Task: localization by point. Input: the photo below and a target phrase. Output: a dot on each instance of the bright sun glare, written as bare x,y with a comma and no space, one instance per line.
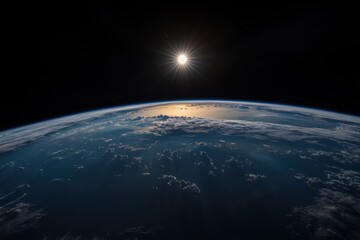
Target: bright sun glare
182,59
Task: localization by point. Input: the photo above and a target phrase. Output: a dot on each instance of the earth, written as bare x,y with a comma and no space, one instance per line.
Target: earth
183,170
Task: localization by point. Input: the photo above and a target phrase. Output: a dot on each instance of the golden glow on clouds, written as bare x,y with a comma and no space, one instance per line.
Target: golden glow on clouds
189,110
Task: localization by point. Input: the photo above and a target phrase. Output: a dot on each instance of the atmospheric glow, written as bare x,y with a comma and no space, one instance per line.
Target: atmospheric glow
182,59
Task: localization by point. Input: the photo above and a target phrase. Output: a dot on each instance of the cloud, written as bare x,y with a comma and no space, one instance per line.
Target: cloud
299,176
336,209
343,180
17,215
347,127
334,215
57,180
254,177
79,167
169,183
18,137
177,201
252,129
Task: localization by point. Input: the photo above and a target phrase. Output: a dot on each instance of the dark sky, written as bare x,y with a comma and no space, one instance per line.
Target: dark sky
64,59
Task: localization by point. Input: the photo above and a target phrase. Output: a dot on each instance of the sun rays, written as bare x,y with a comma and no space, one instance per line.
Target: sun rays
182,60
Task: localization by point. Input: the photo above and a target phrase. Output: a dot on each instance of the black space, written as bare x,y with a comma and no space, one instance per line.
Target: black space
62,59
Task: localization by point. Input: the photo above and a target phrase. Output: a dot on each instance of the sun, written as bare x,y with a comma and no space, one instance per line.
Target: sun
182,59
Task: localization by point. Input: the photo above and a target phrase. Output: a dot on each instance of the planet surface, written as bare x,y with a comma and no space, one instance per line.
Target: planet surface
183,170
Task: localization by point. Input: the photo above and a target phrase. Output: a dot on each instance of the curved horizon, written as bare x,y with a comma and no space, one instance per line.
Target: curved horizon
353,117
